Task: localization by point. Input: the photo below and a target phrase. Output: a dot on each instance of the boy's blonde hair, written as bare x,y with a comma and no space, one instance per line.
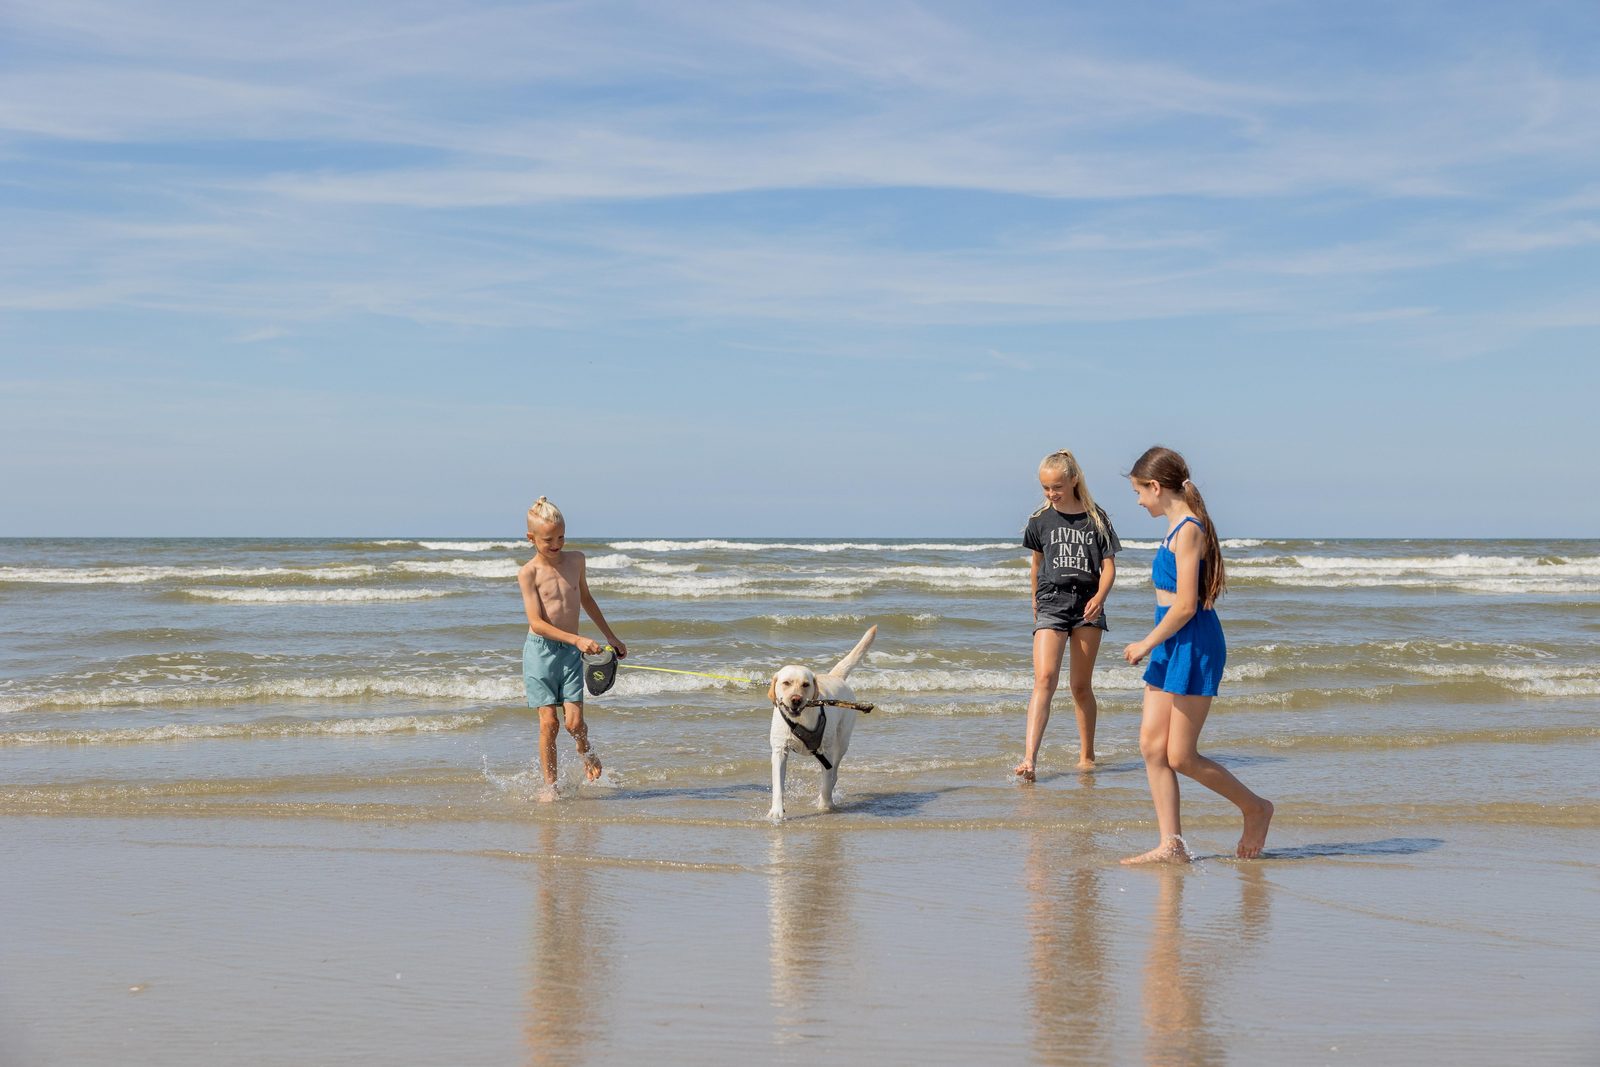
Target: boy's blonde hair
544,513
1064,461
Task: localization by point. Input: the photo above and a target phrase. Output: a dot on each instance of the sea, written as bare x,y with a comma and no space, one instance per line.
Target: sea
276,800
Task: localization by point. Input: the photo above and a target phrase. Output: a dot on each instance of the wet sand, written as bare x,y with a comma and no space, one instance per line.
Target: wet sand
570,939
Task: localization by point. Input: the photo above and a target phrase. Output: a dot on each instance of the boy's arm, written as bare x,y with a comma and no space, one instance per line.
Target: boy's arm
538,622
593,611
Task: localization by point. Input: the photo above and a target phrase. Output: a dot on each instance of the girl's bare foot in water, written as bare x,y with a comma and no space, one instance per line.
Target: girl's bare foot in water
547,793
1024,771
1254,838
591,765
1172,850
1085,763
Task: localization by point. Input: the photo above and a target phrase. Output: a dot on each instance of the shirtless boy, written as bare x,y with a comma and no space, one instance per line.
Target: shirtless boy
554,587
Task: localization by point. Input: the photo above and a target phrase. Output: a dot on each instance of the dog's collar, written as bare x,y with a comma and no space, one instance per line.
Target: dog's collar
811,738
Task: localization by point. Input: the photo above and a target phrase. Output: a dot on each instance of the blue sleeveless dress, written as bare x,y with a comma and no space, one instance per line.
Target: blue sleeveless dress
1190,662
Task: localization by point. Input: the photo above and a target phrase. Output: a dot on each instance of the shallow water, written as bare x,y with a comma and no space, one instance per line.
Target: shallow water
218,758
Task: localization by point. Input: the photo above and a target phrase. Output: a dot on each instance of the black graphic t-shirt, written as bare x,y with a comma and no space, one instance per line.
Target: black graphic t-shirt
1073,550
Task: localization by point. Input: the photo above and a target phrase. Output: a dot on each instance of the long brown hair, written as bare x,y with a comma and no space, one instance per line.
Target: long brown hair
1167,469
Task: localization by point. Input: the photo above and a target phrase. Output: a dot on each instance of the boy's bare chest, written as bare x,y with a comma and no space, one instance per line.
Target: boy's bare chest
558,583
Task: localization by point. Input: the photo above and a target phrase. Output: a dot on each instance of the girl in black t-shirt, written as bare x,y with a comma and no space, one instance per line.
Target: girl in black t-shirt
1074,564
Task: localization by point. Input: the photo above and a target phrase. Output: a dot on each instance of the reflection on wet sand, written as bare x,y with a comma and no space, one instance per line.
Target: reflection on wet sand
1069,983
809,917
1186,963
571,944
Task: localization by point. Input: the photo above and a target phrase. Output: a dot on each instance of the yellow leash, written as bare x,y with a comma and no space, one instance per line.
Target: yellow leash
697,674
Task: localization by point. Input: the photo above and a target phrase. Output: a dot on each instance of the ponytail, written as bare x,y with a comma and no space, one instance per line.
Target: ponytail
1167,469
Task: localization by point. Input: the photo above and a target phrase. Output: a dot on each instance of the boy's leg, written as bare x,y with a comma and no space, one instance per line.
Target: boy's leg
1085,645
549,730
580,737
1048,646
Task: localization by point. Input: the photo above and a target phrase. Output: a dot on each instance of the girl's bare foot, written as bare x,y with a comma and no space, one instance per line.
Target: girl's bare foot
591,765
1172,850
1085,763
1024,771
1254,838
547,793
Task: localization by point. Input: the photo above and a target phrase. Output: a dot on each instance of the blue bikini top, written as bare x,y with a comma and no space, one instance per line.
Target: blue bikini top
1164,568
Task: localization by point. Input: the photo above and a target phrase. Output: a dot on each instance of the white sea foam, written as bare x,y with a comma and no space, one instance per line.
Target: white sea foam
806,620
462,546
1146,545
706,545
134,575
613,561
314,596
268,728
1463,572
695,586
668,568
1520,678
498,689
460,568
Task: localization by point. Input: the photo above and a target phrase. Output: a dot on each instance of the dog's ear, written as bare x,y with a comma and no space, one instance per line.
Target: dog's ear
772,690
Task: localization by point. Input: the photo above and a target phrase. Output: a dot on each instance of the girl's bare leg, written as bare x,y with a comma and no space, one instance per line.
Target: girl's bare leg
1085,646
1189,715
1154,729
1048,646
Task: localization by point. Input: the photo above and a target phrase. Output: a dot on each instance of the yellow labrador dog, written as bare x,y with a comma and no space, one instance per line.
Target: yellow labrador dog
799,725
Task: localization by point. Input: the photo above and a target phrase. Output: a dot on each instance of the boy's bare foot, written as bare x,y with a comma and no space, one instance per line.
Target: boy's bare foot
1085,763
547,793
1254,838
591,765
1024,771
1172,850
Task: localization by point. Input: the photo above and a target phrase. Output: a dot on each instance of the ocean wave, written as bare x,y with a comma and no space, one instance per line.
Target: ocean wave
711,544
264,728
138,575
463,546
815,587
460,568
1461,565
1526,679
313,596
499,689
650,567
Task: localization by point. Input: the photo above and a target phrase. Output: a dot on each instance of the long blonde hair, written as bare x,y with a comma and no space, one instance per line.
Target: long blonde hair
544,513
1064,461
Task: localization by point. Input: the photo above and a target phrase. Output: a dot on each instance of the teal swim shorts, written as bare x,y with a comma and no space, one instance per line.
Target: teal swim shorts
552,672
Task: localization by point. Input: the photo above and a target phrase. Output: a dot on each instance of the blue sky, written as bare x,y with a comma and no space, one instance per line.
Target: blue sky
822,269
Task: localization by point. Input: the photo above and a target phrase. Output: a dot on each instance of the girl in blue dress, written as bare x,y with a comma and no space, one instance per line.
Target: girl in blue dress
1187,652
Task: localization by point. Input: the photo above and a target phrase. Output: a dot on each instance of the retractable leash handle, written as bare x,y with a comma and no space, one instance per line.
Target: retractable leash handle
600,670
